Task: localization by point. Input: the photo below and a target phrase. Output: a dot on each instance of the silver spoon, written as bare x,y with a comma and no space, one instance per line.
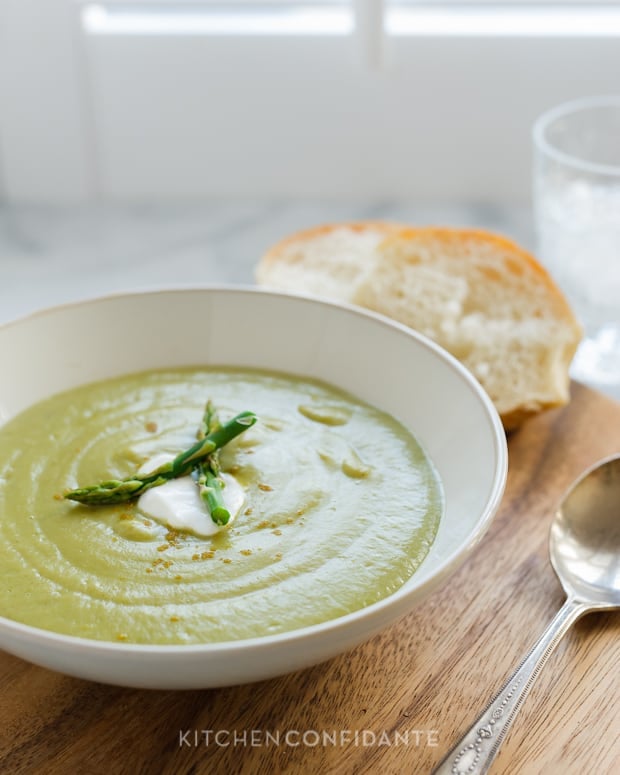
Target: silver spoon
584,547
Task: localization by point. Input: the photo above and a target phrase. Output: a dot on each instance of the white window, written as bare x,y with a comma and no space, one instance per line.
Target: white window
431,101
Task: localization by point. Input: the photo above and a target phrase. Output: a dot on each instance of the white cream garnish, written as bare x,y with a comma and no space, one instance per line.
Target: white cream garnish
177,503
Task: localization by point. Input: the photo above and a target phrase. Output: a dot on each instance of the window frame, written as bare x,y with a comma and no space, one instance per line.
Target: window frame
62,133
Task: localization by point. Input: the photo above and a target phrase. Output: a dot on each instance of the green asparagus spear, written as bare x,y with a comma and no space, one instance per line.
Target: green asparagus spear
209,481
121,490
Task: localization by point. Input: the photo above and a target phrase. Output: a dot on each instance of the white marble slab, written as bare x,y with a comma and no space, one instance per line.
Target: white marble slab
50,256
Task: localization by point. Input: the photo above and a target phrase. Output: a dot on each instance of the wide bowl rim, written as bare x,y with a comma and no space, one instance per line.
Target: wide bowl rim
396,600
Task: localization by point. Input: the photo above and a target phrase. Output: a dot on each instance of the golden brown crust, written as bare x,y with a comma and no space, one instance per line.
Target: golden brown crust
457,236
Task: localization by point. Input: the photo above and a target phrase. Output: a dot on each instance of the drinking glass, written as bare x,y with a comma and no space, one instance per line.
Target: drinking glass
577,215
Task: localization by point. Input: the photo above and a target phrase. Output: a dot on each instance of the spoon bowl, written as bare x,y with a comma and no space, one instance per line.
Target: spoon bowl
584,542
584,548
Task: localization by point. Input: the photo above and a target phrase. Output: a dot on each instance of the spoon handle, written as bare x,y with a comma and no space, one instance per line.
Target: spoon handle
476,750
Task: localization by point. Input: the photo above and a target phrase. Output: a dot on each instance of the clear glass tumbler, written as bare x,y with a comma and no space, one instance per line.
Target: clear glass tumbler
577,213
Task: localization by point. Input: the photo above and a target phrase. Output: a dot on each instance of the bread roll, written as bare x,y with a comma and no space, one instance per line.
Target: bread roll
478,295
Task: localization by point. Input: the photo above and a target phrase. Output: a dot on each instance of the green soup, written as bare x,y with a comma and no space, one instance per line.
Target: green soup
341,506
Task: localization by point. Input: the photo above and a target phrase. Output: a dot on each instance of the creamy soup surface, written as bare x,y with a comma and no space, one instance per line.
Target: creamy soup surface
341,506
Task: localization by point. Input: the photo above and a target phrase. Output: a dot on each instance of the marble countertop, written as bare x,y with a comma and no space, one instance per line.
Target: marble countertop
49,255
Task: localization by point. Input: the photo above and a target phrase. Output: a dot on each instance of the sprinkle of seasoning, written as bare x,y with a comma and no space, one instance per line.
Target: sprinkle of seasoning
265,487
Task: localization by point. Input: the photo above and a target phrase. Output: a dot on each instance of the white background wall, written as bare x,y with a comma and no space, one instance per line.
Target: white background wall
148,101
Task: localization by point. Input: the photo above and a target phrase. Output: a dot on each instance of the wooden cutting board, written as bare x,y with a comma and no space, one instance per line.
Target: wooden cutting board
395,704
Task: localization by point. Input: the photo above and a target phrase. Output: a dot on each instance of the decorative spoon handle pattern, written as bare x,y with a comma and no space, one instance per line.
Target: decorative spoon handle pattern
476,750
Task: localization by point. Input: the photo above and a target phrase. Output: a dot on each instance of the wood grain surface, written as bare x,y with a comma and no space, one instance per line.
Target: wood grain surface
395,704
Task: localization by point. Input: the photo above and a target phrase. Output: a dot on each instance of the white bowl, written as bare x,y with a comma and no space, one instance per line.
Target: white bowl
381,362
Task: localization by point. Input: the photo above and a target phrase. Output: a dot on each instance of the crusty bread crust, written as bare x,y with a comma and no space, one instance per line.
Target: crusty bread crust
477,294
457,237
